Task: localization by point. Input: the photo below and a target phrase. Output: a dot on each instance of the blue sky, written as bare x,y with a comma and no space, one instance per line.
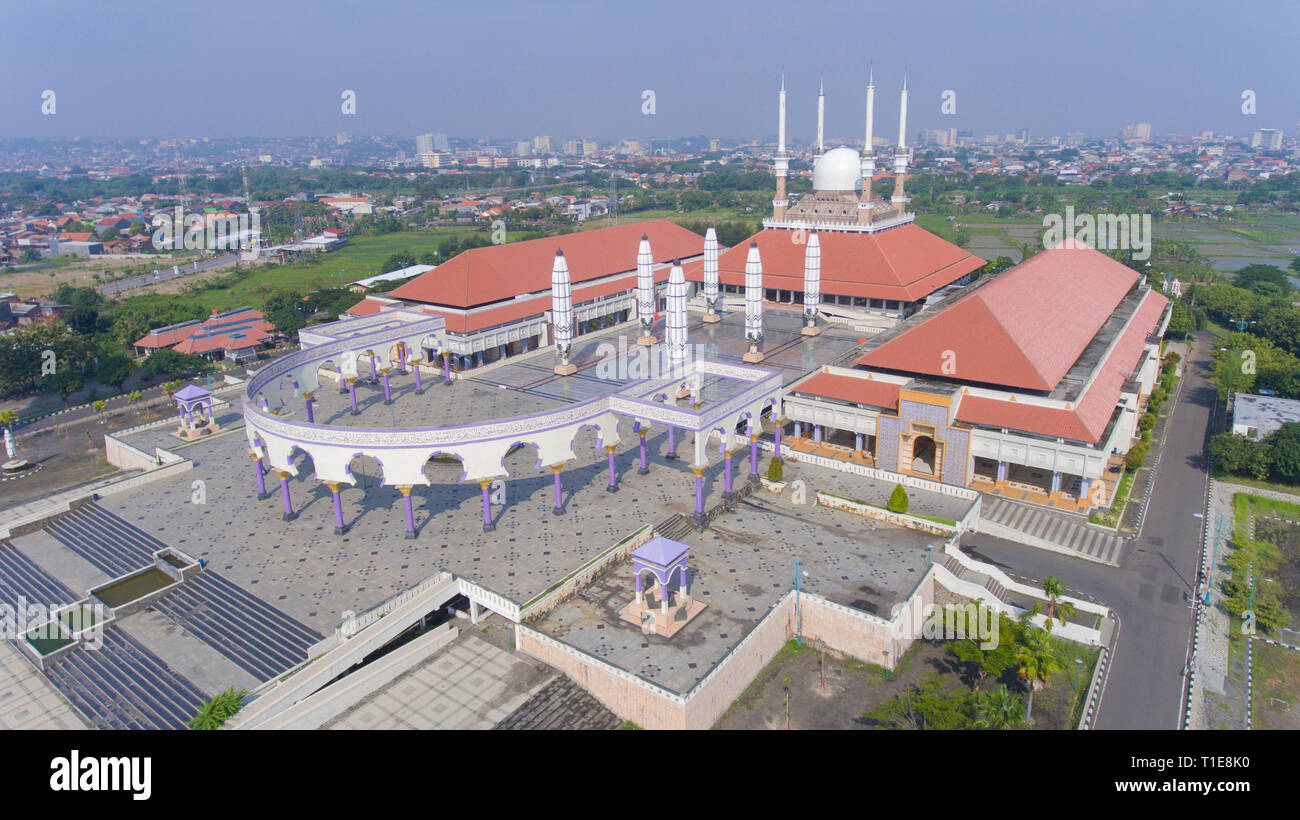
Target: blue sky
578,68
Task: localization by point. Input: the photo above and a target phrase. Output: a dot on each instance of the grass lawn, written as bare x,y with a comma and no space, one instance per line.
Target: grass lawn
1112,516
1276,486
715,213
1275,701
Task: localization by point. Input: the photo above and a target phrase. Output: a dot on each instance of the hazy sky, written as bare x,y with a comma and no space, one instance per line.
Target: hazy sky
578,68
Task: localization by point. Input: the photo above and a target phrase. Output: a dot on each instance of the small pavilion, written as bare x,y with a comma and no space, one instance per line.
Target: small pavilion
661,557
194,405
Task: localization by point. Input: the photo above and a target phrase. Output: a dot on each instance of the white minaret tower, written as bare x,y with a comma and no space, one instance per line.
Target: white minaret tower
676,330
711,276
782,163
868,154
821,118
753,304
645,291
900,155
812,283
562,314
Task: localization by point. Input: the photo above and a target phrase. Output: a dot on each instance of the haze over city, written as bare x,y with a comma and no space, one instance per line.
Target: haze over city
259,69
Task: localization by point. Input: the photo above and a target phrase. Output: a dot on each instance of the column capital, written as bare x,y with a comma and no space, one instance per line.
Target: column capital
610,448
556,468
642,432
404,489
333,485
384,370
485,483
753,437
309,395
727,454
699,471
351,380
283,474
256,456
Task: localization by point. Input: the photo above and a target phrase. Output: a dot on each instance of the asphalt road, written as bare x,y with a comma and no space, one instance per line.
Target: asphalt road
164,274
1152,590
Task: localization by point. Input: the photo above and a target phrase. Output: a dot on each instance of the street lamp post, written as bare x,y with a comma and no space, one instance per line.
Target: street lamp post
886,664
1078,664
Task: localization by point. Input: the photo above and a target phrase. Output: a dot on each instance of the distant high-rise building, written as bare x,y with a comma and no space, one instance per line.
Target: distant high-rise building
714,145
1023,136
573,147
1136,131
424,143
523,148
589,148
1270,139
541,145
342,138
1074,138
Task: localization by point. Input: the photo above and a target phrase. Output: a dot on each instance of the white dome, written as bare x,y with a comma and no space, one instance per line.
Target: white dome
839,169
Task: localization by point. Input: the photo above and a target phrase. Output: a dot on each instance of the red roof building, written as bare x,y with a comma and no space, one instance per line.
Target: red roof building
233,334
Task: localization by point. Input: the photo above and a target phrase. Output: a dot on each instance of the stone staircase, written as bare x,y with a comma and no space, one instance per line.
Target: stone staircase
966,574
674,528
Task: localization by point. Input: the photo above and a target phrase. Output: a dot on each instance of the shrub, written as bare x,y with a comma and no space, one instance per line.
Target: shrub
1146,436
1136,455
898,501
215,712
1147,421
774,470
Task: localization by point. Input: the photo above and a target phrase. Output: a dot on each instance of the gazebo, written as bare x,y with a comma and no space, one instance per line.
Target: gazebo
661,557
194,404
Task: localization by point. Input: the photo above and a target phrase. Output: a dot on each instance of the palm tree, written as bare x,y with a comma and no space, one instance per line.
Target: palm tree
1037,664
1005,709
7,418
170,388
132,398
1057,610
100,406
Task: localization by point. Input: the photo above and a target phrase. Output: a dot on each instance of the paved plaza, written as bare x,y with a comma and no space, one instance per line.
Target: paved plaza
28,700
740,567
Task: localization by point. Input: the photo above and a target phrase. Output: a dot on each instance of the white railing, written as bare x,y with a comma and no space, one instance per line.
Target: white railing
586,572
873,472
499,604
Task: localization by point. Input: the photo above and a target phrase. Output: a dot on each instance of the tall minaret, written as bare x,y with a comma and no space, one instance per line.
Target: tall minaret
868,153
562,314
645,291
821,118
753,304
711,276
782,165
676,324
900,156
812,283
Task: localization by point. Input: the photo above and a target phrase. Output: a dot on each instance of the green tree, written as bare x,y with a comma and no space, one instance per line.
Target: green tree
1005,709
898,501
399,260
284,309
1036,663
214,713
1284,452
167,362
1057,609
114,369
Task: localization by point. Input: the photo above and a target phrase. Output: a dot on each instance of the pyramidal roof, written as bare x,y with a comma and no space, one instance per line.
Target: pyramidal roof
1023,329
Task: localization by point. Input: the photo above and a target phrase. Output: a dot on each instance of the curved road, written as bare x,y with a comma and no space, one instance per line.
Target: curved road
1151,591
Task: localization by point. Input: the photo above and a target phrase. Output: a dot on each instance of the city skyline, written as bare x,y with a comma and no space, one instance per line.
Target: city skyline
566,69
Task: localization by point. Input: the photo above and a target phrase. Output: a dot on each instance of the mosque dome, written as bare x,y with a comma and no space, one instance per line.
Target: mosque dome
839,169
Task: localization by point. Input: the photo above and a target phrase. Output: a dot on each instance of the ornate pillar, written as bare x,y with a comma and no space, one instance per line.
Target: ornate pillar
857,443
672,443
613,483
753,460
388,395
446,368
798,429
352,395
727,495
698,518
415,365
486,485
645,468
559,509
261,477
817,433
663,595
401,359
289,514
374,375
339,527
405,490
311,416
776,451
640,595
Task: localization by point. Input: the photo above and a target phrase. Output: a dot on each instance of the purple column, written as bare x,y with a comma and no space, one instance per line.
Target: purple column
289,514
817,433
777,450
374,371
699,491
261,478
388,396
798,429
401,359
339,528
727,475
352,394
488,526
645,468
311,417
613,483
672,442
419,388
410,514
753,455
446,368
559,510
857,441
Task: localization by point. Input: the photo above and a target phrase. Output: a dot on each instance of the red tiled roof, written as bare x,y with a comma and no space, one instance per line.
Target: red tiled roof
238,339
254,318
366,307
1087,420
1023,329
523,308
480,276
905,263
853,389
